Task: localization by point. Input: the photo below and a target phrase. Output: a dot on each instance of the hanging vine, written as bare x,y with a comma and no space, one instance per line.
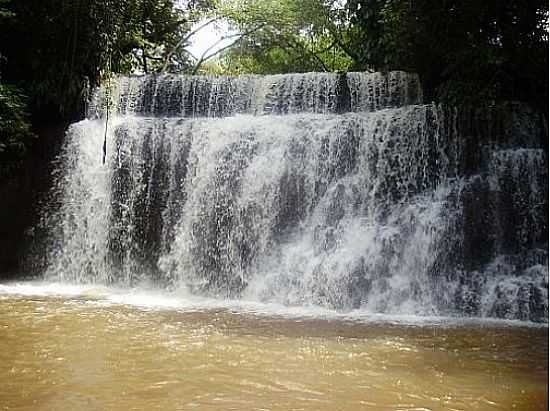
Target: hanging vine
107,109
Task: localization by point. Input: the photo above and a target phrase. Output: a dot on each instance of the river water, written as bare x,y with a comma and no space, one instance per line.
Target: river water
78,348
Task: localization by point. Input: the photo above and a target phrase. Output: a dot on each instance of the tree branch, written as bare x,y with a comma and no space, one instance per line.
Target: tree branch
184,39
296,44
345,48
205,56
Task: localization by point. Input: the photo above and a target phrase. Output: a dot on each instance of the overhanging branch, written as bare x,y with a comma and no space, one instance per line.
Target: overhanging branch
208,54
184,39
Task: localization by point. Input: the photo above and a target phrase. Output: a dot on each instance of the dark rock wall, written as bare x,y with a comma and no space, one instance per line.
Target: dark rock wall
21,196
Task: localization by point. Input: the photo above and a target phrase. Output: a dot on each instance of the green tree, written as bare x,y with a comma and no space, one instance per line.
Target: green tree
275,36
56,49
465,51
15,128
53,51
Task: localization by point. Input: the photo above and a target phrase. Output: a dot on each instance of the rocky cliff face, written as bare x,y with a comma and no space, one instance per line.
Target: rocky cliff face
22,197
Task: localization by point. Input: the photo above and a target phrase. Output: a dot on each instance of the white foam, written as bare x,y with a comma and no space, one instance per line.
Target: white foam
151,299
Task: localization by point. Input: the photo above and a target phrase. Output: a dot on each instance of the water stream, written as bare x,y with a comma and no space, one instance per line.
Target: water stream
94,348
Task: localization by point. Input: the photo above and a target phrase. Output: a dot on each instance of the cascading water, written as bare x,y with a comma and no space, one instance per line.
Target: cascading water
306,189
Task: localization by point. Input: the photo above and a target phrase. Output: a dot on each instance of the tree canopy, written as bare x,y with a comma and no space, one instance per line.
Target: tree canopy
465,51
279,36
55,49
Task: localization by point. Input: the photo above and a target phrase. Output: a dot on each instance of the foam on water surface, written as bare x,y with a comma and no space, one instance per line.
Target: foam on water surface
154,299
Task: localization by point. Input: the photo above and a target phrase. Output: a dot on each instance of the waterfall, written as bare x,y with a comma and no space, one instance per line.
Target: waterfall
343,191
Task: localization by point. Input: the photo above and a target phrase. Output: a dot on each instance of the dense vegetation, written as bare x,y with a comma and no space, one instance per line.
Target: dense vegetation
465,51
53,51
15,129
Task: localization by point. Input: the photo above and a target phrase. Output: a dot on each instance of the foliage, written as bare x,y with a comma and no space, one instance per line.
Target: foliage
56,49
5,14
466,51
277,36
15,130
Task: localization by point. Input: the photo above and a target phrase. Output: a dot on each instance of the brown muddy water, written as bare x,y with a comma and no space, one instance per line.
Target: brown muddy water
79,352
